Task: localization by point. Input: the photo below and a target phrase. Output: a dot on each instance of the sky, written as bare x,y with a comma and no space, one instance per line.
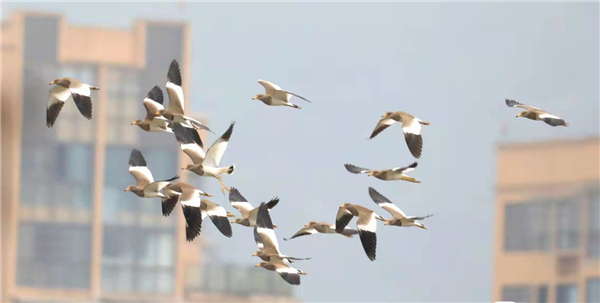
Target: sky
451,64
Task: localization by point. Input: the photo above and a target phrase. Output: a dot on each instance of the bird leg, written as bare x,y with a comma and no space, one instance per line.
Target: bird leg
410,179
223,187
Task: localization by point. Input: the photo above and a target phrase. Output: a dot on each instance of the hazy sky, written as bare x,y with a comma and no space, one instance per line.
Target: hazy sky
451,64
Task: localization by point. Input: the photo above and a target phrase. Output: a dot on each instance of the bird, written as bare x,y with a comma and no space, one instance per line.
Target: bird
205,164
265,238
193,209
411,126
313,227
366,224
154,102
145,186
246,209
218,215
534,113
65,89
275,96
175,111
397,173
398,216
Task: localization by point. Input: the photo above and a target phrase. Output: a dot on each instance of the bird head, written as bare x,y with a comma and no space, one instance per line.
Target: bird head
136,122
129,188
387,114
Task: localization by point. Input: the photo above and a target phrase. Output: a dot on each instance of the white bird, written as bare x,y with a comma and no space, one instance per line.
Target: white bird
275,96
68,88
246,209
145,186
392,174
411,127
175,111
196,209
398,216
534,113
367,226
206,165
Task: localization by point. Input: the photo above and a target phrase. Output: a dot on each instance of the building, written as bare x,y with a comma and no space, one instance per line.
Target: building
547,222
69,231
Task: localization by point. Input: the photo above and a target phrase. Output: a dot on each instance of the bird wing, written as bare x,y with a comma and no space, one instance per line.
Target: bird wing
57,97
356,170
386,204
81,95
139,169
216,151
174,89
303,232
285,95
415,218
405,169
367,227
218,215
239,202
381,126
270,88
190,196
187,143
342,219
258,239
159,185
265,229
153,102
513,103
412,134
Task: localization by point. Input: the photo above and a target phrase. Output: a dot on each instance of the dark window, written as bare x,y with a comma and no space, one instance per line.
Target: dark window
54,255
542,294
526,226
518,294
566,293
567,220
593,241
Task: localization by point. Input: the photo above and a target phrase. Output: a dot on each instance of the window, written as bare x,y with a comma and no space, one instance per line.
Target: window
66,255
526,226
74,175
566,293
567,220
516,293
124,92
542,294
136,259
593,290
593,241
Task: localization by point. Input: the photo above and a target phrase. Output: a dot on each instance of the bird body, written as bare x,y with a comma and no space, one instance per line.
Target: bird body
411,127
68,88
145,186
398,216
366,224
275,96
392,174
324,228
534,113
249,213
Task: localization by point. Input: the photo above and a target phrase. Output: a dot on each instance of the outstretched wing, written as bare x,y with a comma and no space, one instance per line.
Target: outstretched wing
184,136
386,204
174,89
356,170
270,87
57,97
303,232
405,169
216,151
153,102
342,219
513,103
139,169
381,126
239,202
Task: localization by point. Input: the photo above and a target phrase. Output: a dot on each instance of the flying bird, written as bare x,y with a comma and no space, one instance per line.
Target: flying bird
411,126
397,173
145,186
196,209
534,113
366,224
265,238
313,227
151,123
398,216
206,165
246,209
275,96
175,111
68,88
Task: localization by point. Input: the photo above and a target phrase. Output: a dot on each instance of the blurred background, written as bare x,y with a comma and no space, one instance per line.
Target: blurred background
516,203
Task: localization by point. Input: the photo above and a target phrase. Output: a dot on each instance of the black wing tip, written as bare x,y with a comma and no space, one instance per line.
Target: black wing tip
183,135
369,243
174,178
193,218
273,202
291,278
168,205
136,158
227,135
413,165
84,105
193,133
263,218
174,73
223,225
156,94
555,122
52,113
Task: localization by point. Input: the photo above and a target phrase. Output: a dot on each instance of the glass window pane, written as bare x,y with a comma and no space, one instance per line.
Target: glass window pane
516,293
566,293
567,214
593,242
593,290
542,294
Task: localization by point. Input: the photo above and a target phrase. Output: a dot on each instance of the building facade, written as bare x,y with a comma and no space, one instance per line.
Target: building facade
69,231
547,222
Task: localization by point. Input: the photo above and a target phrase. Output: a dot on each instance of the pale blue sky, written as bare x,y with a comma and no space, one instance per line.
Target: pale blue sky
451,64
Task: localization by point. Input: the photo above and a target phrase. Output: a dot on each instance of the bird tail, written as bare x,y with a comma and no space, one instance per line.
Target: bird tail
230,170
94,88
293,105
410,179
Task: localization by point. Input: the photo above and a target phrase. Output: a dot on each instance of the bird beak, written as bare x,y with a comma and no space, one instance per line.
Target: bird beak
185,167
306,225
342,206
230,215
370,174
134,123
51,82
254,255
127,189
257,265
157,113
387,222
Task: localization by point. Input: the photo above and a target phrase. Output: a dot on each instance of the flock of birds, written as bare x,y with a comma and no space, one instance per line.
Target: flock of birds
207,164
